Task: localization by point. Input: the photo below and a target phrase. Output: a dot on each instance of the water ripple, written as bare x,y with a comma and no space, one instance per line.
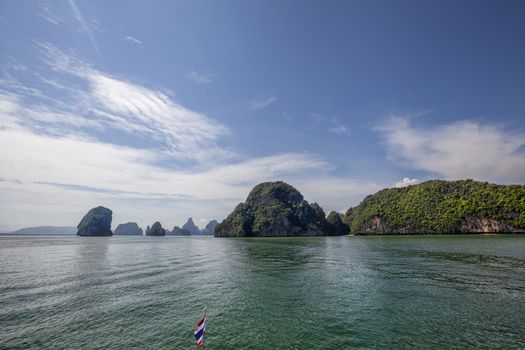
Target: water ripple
290,293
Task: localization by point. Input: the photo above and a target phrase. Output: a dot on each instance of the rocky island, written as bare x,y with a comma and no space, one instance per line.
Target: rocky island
177,231
439,206
278,209
275,209
191,227
209,229
97,222
155,230
128,229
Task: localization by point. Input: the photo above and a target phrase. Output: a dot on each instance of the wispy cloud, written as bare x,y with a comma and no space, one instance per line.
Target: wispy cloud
287,116
88,172
52,15
260,104
58,151
339,129
62,16
114,103
134,40
71,18
332,124
463,149
86,28
200,78
76,170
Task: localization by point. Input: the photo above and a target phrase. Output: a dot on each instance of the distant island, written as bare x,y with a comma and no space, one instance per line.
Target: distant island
128,229
190,229
275,209
97,222
432,207
45,230
155,230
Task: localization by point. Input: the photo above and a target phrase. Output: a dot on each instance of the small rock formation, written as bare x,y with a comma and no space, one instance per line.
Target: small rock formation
274,209
97,222
190,226
177,231
209,229
336,226
128,229
147,230
156,230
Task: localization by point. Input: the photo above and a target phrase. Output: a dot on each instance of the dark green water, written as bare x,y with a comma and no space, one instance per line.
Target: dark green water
421,292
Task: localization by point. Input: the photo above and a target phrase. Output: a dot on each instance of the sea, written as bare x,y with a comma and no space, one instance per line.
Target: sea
389,292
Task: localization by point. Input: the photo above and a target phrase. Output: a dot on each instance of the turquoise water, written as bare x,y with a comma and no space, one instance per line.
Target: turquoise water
419,292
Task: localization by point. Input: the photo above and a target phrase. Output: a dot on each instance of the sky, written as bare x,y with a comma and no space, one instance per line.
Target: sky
162,110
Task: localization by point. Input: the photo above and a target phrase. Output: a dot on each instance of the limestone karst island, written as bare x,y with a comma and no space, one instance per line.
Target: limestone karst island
274,209
262,174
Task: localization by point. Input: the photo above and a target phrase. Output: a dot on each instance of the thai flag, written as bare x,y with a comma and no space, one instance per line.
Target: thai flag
199,331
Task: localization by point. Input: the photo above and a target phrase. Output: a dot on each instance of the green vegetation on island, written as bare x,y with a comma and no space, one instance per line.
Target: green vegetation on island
277,209
438,206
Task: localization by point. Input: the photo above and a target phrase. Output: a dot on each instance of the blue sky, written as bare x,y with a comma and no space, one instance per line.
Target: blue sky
162,110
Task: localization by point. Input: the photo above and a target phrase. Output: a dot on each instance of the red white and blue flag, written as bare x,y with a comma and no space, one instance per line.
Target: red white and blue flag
199,331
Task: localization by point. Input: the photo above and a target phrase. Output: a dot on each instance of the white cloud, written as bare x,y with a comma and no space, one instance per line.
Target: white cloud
86,27
72,172
406,182
134,40
64,16
287,116
79,173
260,104
52,15
200,78
71,18
339,129
458,150
103,101
54,165
332,124
188,134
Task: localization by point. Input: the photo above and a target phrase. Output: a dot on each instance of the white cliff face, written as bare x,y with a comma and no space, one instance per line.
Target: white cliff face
375,226
470,224
484,225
